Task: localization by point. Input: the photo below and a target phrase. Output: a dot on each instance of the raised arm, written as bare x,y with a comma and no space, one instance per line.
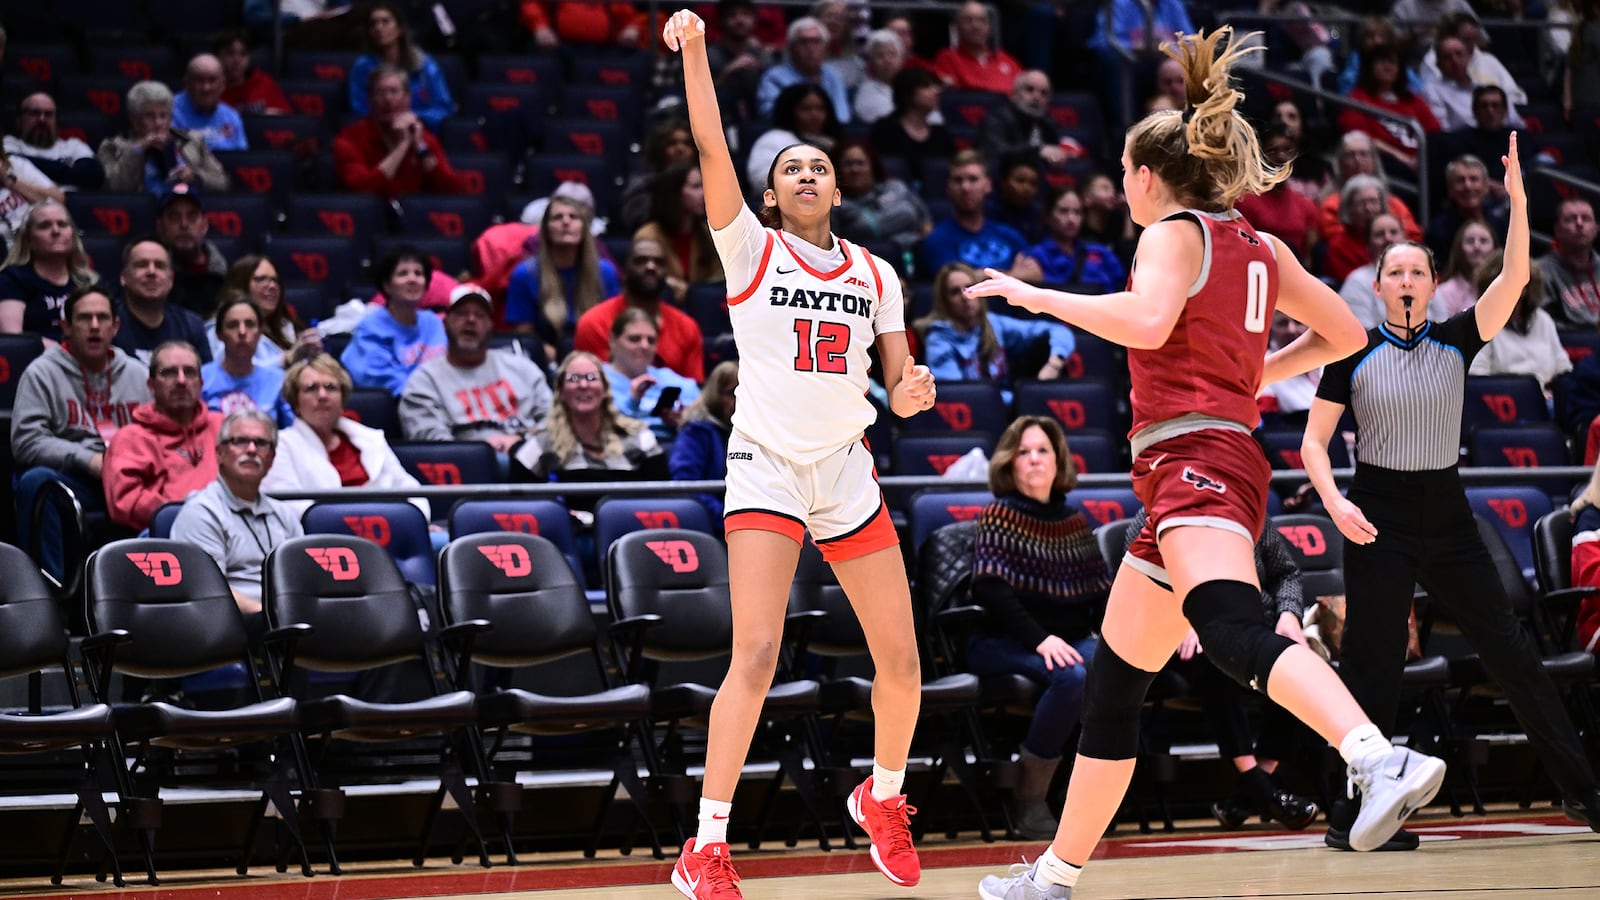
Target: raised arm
685,32
1334,333
1500,299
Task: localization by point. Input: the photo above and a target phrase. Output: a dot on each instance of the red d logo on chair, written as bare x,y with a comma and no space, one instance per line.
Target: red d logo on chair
162,568
340,562
680,555
511,559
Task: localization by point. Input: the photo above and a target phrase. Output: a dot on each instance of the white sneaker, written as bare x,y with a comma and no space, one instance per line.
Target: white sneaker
1018,885
1397,786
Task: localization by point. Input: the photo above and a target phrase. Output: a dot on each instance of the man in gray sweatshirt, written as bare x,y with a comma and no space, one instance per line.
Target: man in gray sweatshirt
70,401
474,393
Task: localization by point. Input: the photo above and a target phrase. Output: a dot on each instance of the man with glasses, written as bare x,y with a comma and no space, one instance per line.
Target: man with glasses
230,518
68,162
169,449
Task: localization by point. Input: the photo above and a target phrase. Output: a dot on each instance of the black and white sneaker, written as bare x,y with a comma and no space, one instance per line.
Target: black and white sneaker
1391,789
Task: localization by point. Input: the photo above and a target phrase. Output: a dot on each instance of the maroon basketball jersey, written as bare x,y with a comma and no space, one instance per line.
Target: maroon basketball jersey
1211,363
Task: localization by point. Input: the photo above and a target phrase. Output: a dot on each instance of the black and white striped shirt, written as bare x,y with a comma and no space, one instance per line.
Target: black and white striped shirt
1407,395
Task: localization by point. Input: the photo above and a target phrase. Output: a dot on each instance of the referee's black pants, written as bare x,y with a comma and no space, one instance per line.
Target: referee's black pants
1427,536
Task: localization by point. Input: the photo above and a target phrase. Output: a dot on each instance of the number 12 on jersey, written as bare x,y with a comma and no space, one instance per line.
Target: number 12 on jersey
831,344
1255,304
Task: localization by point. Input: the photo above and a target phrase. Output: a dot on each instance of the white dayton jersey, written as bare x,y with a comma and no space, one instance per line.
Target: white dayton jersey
804,319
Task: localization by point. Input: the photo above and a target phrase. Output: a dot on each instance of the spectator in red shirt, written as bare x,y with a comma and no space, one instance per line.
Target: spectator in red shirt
391,152
974,64
1382,83
1283,211
554,24
249,90
679,346
1362,199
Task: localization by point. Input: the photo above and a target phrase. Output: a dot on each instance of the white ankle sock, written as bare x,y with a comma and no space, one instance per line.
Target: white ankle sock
1364,742
713,823
1052,869
886,783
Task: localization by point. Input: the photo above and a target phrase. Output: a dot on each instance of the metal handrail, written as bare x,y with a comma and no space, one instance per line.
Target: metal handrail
1341,18
1476,475
1424,200
1554,174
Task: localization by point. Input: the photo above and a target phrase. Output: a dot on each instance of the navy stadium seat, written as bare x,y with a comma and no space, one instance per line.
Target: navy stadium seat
271,172
1094,452
1503,400
325,260
934,509
448,463
627,70
44,63
301,135
91,127
92,93
118,215
1282,447
520,68
313,97
1533,445
969,109
356,217
1095,357
161,522
962,406
1314,540
588,137
1513,510
617,516
1105,504
134,62
105,251
1078,404
308,302
932,454
244,217
198,17
458,218
463,135
395,525
547,170
485,175
603,104
320,66
548,519
375,408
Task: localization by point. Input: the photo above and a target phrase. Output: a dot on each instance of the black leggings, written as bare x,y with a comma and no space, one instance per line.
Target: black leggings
1427,536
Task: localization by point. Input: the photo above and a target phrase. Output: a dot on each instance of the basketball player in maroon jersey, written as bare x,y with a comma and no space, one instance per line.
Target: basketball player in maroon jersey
1195,318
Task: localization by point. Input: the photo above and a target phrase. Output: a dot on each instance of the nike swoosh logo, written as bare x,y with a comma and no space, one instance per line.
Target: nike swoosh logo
782,271
715,816
694,883
1157,461
1404,812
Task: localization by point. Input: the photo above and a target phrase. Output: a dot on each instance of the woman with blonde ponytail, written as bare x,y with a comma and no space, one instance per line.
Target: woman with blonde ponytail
1195,319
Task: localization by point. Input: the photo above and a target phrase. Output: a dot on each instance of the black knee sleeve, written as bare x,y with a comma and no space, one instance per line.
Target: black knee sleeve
1226,616
1113,693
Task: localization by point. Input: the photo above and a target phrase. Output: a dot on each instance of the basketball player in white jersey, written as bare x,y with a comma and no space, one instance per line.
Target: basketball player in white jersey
806,307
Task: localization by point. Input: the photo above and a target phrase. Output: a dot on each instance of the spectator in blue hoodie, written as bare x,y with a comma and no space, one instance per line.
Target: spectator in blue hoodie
392,340
389,41
962,342
1064,257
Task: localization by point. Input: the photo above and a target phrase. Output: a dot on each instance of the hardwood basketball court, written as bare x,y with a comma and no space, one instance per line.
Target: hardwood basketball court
1503,855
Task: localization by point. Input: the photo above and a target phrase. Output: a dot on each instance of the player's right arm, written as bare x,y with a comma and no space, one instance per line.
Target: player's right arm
685,32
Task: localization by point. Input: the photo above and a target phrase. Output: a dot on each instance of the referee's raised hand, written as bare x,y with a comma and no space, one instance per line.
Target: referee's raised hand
1514,187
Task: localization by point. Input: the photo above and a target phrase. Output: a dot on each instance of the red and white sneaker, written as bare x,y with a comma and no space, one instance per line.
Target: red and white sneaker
888,825
706,874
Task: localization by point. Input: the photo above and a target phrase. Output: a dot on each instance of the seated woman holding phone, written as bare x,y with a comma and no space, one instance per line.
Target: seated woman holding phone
655,395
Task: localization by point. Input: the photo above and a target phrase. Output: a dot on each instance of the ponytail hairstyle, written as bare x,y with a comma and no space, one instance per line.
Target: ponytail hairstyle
1207,154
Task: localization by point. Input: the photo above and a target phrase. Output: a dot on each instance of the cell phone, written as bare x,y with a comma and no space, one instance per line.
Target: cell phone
668,399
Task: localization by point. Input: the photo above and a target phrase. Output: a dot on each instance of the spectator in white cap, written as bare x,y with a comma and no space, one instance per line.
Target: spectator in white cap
473,392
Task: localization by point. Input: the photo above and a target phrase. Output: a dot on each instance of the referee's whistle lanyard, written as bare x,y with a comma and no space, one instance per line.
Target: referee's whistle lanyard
1409,332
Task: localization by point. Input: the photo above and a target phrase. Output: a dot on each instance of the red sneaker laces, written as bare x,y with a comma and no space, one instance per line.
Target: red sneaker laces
896,819
718,870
